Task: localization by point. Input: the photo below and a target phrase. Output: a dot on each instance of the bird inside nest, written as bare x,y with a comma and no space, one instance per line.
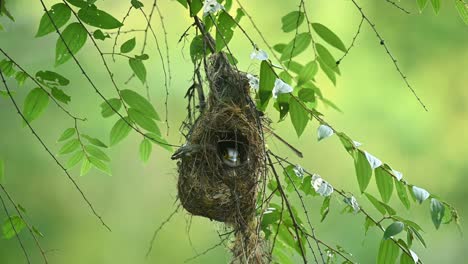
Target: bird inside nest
231,157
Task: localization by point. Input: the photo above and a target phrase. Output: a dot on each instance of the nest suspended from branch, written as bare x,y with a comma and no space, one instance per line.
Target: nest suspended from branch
223,159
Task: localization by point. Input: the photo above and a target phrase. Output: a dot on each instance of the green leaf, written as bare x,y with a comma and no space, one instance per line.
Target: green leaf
405,259
422,4
119,131
384,182
128,45
98,34
59,13
51,79
137,4
307,95
363,170
327,58
327,70
140,103
75,159
462,9
197,48
402,194
143,121
60,95
69,147
393,229
75,36
138,68
436,5
299,116
85,167
142,57
94,141
97,153
388,252
68,133
2,171
325,209
420,194
195,7
437,212
21,78
307,73
368,224
299,44
6,67
291,21
267,81
35,104
12,226
224,30
97,163
110,107
98,18
376,203
145,150
328,35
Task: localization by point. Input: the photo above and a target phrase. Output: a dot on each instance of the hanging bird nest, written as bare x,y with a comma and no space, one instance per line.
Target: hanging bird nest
223,159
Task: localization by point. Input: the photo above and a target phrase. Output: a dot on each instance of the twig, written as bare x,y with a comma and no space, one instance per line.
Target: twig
155,234
382,42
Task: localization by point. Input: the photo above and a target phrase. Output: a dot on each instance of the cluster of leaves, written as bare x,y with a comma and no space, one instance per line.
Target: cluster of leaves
460,5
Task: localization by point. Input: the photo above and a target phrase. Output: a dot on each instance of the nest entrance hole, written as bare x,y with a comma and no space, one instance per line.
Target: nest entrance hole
233,148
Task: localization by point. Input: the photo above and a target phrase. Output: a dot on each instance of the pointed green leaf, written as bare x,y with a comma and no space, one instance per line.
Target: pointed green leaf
436,5
437,212
376,203
327,58
384,182
135,100
138,68
402,194
110,107
75,159
35,103
97,153
291,21
307,73
331,38
21,78
422,4
95,141
299,116
363,170
299,44
97,163
128,45
68,133
388,252
143,121
119,131
75,36
267,82
59,13
145,150
69,147
85,167
98,18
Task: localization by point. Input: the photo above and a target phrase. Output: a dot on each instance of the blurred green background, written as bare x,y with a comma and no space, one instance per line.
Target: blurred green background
430,148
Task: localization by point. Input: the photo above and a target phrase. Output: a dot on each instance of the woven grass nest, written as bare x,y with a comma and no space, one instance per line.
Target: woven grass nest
211,182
